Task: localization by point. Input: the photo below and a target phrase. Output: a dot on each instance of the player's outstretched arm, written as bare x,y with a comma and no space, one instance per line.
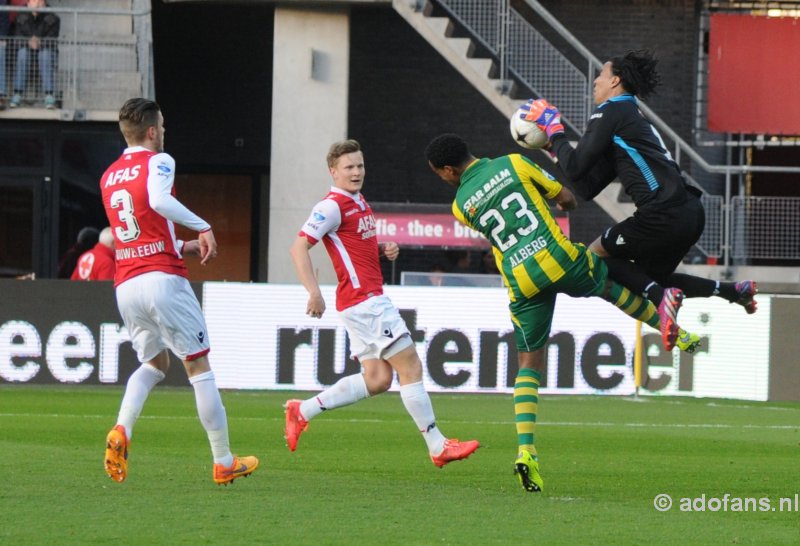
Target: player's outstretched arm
305,273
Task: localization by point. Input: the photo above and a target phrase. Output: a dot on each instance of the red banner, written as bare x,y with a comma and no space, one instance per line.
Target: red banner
753,74
433,229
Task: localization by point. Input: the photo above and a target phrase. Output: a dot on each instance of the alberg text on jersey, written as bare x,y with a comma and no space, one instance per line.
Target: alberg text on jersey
144,240
620,142
503,199
345,224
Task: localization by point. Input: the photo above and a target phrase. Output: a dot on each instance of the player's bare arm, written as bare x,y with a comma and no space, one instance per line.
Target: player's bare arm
305,273
191,248
566,199
390,250
208,246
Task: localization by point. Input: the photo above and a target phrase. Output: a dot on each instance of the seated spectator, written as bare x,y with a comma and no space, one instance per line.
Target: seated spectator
461,261
87,238
435,278
489,264
98,263
37,33
13,15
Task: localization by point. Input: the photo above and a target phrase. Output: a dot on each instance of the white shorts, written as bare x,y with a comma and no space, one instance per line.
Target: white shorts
161,312
376,329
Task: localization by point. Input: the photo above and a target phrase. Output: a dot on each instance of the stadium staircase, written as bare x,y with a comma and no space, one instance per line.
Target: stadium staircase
506,51
478,62
105,48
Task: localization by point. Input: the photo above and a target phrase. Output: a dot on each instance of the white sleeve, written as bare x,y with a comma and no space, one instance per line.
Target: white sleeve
325,217
160,179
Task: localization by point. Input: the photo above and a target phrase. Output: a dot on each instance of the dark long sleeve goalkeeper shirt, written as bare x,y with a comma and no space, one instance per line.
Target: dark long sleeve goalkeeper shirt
620,143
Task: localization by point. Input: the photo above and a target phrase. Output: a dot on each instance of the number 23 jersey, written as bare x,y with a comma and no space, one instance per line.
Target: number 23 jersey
503,199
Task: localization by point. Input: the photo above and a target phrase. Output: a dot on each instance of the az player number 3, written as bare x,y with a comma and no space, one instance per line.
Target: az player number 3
123,200
522,212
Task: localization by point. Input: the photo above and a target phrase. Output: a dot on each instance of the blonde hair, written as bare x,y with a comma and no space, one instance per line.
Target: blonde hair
338,149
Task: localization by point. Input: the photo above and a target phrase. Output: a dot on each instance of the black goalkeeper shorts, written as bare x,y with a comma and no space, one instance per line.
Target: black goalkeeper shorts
657,240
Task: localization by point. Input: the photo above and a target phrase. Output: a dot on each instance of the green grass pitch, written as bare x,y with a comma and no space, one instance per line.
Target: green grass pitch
361,474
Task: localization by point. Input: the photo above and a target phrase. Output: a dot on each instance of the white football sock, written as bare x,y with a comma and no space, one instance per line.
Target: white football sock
348,390
140,383
212,416
418,405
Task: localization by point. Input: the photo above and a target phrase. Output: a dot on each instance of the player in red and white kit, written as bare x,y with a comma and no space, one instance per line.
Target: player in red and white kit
379,338
98,263
154,297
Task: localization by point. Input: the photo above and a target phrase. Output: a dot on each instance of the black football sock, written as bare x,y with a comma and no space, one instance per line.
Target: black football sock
698,287
630,275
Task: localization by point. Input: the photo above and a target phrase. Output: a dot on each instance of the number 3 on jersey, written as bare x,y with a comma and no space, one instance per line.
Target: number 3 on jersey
523,212
123,200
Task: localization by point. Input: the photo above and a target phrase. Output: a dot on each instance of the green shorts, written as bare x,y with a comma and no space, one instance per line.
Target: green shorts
533,317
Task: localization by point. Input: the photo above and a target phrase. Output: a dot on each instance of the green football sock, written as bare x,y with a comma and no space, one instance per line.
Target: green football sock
633,305
526,403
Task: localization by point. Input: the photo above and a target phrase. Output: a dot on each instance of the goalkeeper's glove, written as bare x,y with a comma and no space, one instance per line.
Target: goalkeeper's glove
543,114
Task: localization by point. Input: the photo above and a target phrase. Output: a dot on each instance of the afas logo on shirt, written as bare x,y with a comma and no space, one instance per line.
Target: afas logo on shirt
318,216
366,227
596,115
123,175
164,170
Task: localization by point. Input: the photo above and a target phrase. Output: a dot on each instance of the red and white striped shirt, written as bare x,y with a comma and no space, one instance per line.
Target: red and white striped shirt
139,197
345,224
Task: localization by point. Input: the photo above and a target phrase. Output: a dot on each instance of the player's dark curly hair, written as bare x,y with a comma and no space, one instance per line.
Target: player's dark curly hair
637,71
447,150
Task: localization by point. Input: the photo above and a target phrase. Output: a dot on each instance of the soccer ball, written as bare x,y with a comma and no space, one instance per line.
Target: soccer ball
526,133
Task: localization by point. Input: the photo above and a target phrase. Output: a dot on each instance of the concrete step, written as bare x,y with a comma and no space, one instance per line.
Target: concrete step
103,89
87,23
440,25
460,45
481,66
98,56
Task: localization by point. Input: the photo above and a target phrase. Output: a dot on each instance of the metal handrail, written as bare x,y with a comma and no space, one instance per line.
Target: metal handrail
681,145
89,11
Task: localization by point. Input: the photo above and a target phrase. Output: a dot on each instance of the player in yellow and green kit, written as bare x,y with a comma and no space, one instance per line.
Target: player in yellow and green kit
504,199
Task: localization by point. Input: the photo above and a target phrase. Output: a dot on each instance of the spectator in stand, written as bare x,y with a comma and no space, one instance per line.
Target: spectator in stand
5,27
98,263
41,31
87,238
461,261
12,17
489,263
436,278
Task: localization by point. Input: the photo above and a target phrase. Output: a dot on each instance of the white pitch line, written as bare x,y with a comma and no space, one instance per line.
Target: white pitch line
598,424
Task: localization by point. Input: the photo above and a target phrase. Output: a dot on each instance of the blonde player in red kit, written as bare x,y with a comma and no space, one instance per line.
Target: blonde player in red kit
379,338
154,297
